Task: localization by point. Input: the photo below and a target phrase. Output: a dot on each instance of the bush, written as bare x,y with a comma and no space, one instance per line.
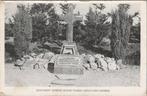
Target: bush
133,59
9,52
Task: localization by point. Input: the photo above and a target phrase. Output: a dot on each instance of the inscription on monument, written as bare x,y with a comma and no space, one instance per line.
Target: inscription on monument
68,61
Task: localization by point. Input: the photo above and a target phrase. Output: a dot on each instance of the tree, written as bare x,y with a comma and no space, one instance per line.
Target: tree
64,8
103,29
135,29
78,31
8,30
41,20
135,34
91,27
121,24
53,25
22,30
96,26
100,6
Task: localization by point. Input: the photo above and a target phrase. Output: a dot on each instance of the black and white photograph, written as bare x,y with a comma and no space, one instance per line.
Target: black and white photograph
62,44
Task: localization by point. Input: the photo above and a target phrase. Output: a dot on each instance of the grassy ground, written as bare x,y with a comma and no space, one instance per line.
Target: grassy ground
128,76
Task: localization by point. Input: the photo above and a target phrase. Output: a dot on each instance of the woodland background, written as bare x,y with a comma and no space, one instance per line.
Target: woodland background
38,27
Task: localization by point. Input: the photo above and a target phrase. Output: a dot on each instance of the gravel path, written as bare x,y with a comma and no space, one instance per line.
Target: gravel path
128,76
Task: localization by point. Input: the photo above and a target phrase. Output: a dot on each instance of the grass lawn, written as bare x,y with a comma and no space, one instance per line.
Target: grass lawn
128,76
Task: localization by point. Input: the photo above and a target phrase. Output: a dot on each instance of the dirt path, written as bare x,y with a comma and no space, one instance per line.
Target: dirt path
40,77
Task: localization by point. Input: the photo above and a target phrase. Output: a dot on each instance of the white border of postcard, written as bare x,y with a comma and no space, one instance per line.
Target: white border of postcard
76,91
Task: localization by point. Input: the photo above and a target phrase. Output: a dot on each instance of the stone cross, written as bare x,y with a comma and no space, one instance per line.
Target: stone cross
69,19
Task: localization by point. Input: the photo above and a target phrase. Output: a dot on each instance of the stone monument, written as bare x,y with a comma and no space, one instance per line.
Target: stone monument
68,61
69,18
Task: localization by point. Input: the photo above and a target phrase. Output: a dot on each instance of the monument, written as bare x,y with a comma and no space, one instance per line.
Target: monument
68,62
69,18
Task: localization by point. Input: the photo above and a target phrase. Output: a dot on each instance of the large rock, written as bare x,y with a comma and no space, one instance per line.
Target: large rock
86,66
103,64
98,55
91,61
98,62
112,64
53,59
28,57
93,66
40,55
41,63
20,61
85,62
48,55
33,54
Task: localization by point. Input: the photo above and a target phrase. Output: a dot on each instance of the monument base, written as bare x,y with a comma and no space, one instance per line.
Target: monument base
68,70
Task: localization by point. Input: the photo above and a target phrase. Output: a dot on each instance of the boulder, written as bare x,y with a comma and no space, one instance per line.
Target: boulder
40,55
98,62
93,66
86,66
20,61
41,63
104,65
33,54
97,55
28,57
112,64
91,61
85,62
53,59
48,55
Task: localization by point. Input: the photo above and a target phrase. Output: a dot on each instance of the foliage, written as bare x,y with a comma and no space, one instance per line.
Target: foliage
39,26
53,25
79,32
64,8
135,34
22,30
96,27
46,26
121,24
40,8
9,28
39,19
44,21
99,6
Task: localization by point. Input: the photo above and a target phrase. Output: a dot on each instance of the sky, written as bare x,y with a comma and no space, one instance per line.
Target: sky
83,8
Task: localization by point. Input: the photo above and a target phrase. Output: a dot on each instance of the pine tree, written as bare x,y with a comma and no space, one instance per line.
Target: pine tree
96,28
44,21
22,30
121,24
53,24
